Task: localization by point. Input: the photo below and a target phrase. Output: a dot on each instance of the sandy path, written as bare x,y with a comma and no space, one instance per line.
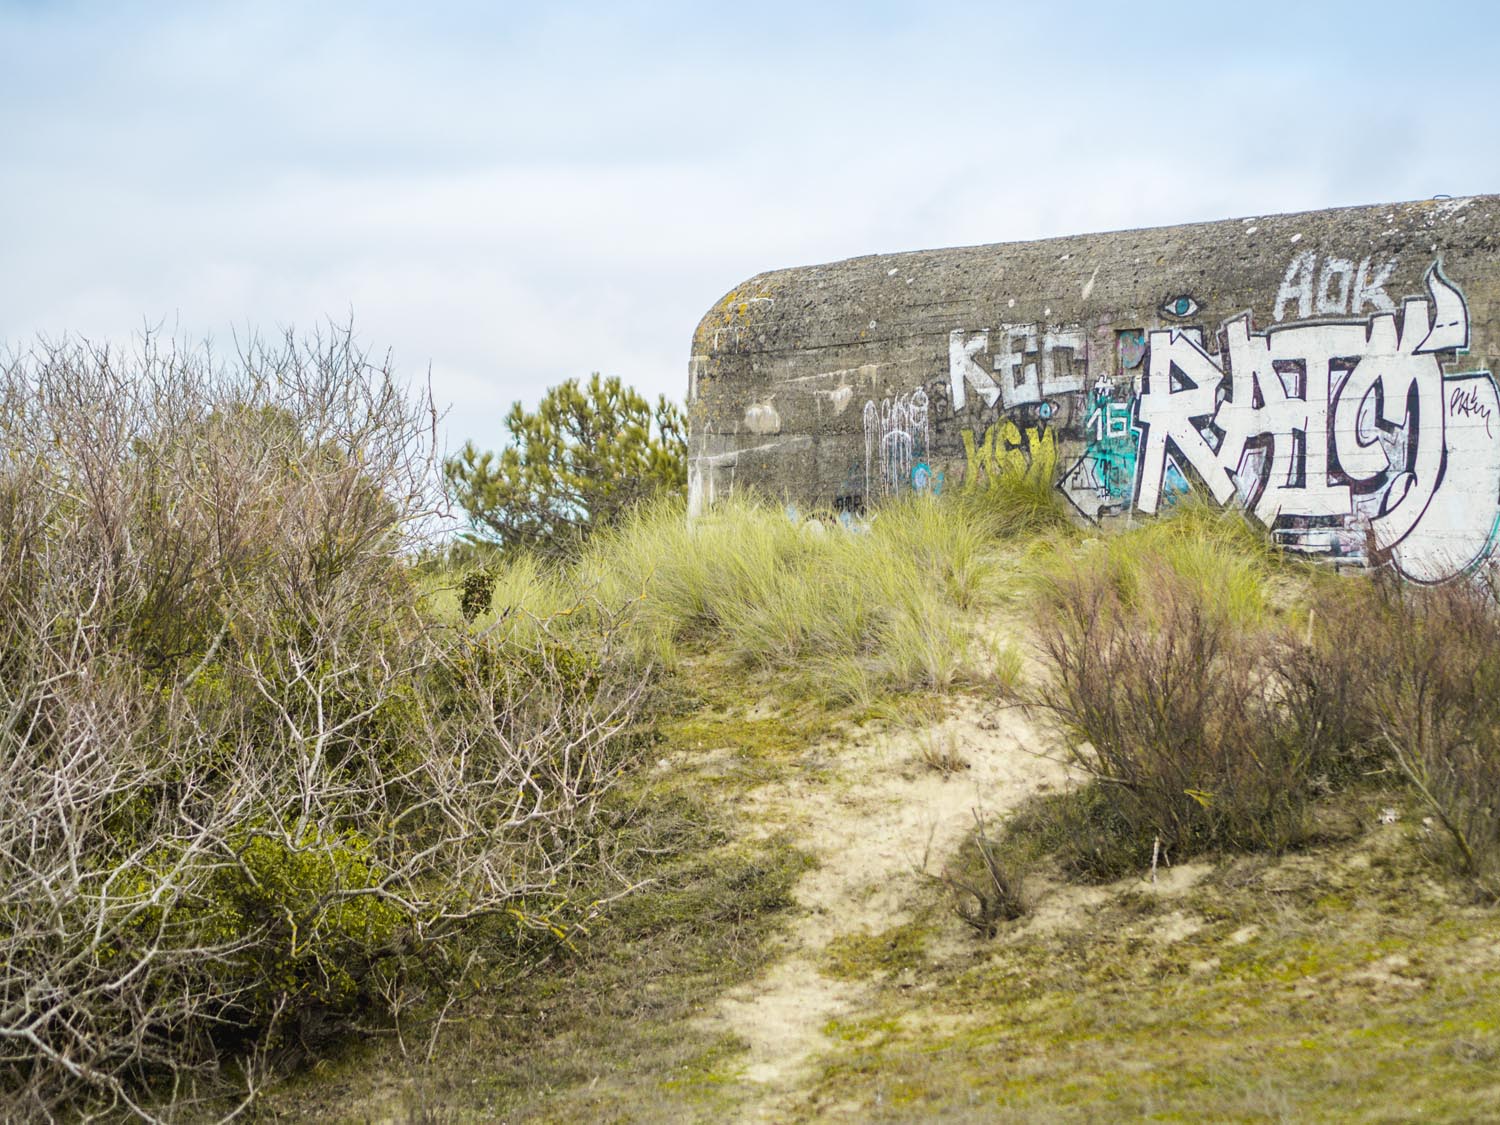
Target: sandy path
871,821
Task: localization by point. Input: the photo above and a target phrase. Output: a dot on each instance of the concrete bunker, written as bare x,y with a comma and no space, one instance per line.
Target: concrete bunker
1328,372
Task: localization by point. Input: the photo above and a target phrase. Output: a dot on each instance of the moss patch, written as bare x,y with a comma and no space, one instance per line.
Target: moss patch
859,955
1349,982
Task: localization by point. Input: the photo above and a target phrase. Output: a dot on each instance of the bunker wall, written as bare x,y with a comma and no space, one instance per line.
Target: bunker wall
1327,372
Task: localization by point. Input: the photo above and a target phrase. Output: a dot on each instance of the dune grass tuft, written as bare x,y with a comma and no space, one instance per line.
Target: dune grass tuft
849,614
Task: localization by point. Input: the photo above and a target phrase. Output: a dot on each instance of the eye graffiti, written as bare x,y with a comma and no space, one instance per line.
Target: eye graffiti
1179,307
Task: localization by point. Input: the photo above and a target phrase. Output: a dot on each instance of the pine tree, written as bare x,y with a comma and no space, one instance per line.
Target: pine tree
589,453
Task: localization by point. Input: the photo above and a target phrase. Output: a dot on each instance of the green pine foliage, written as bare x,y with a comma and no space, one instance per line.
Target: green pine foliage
589,453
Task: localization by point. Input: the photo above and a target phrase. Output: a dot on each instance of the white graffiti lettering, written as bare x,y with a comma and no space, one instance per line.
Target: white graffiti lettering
1175,414
1339,289
964,370
1335,423
1031,363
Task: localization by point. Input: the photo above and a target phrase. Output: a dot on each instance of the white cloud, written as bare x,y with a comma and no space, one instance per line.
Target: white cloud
520,198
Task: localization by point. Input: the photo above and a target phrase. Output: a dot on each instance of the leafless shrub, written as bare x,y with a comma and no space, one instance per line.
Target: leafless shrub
251,788
1174,707
984,884
1327,680
1438,707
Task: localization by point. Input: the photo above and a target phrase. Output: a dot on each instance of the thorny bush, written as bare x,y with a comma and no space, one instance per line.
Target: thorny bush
252,789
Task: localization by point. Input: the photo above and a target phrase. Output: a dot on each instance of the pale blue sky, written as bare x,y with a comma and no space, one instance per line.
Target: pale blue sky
515,195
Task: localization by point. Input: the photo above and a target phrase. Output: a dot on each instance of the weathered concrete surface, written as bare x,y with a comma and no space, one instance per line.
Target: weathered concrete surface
1328,371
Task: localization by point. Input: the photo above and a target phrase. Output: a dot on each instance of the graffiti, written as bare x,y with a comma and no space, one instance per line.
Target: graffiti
1339,430
1179,308
1007,450
896,440
1468,403
1130,347
1330,432
925,480
1102,481
1309,372
1031,363
1339,289
1344,423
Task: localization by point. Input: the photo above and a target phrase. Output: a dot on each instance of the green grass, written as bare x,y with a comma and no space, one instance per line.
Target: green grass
1217,551
839,614
1020,505
1345,984
844,616
596,1032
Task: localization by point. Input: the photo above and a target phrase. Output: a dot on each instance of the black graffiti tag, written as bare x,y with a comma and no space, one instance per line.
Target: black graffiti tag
1467,403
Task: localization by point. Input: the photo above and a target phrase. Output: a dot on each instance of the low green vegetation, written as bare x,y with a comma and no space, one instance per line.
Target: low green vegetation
855,956
1342,984
294,808
595,1030
844,616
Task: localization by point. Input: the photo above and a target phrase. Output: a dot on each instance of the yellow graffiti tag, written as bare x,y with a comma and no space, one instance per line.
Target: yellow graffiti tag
1006,451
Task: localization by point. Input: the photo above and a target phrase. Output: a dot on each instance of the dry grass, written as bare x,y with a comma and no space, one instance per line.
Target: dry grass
847,615
939,752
